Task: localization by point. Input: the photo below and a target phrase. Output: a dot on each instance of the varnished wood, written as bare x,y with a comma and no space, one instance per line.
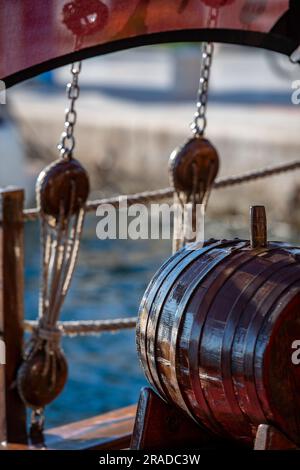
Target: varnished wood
258,227
218,329
63,183
161,426
36,387
269,438
109,431
194,167
11,305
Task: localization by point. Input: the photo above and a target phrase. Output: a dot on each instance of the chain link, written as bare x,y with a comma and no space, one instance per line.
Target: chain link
37,418
67,141
199,123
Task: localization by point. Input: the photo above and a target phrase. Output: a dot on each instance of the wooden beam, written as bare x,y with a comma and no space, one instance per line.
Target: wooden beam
109,431
11,307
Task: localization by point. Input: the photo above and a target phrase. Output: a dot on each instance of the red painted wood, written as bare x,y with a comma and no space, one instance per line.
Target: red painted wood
37,36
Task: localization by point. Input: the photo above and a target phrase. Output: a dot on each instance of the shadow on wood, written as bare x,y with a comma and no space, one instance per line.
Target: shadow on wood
162,426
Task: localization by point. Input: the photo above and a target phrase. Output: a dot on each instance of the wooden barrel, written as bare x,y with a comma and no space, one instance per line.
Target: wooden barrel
215,336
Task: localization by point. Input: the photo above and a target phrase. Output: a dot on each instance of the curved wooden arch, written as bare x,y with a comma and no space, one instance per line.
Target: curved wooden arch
36,36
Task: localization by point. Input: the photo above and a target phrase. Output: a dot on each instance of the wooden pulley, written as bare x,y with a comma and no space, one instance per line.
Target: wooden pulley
193,169
43,374
216,330
62,189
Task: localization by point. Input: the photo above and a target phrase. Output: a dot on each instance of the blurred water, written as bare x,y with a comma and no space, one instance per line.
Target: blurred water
109,282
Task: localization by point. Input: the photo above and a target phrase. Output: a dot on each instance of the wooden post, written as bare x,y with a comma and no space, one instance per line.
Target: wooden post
258,227
11,309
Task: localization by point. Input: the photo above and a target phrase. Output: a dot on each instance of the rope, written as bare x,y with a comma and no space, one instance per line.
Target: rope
88,327
147,197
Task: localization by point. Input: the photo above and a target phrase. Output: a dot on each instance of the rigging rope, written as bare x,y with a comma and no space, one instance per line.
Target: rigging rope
94,327
147,197
87,327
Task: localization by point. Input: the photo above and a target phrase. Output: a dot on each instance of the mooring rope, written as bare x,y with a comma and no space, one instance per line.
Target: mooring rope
148,197
87,327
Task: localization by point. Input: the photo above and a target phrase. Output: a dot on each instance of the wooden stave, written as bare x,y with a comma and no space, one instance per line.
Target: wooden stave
233,408
225,384
228,336
159,296
225,252
286,247
198,279
197,396
186,276
247,395
219,283
153,318
197,348
289,424
144,312
143,315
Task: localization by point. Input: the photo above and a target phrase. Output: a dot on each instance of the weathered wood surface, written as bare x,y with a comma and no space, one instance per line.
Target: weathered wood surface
11,307
215,334
110,431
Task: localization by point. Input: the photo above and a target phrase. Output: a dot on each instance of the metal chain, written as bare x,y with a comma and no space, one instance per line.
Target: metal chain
38,418
199,123
36,432
67,141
